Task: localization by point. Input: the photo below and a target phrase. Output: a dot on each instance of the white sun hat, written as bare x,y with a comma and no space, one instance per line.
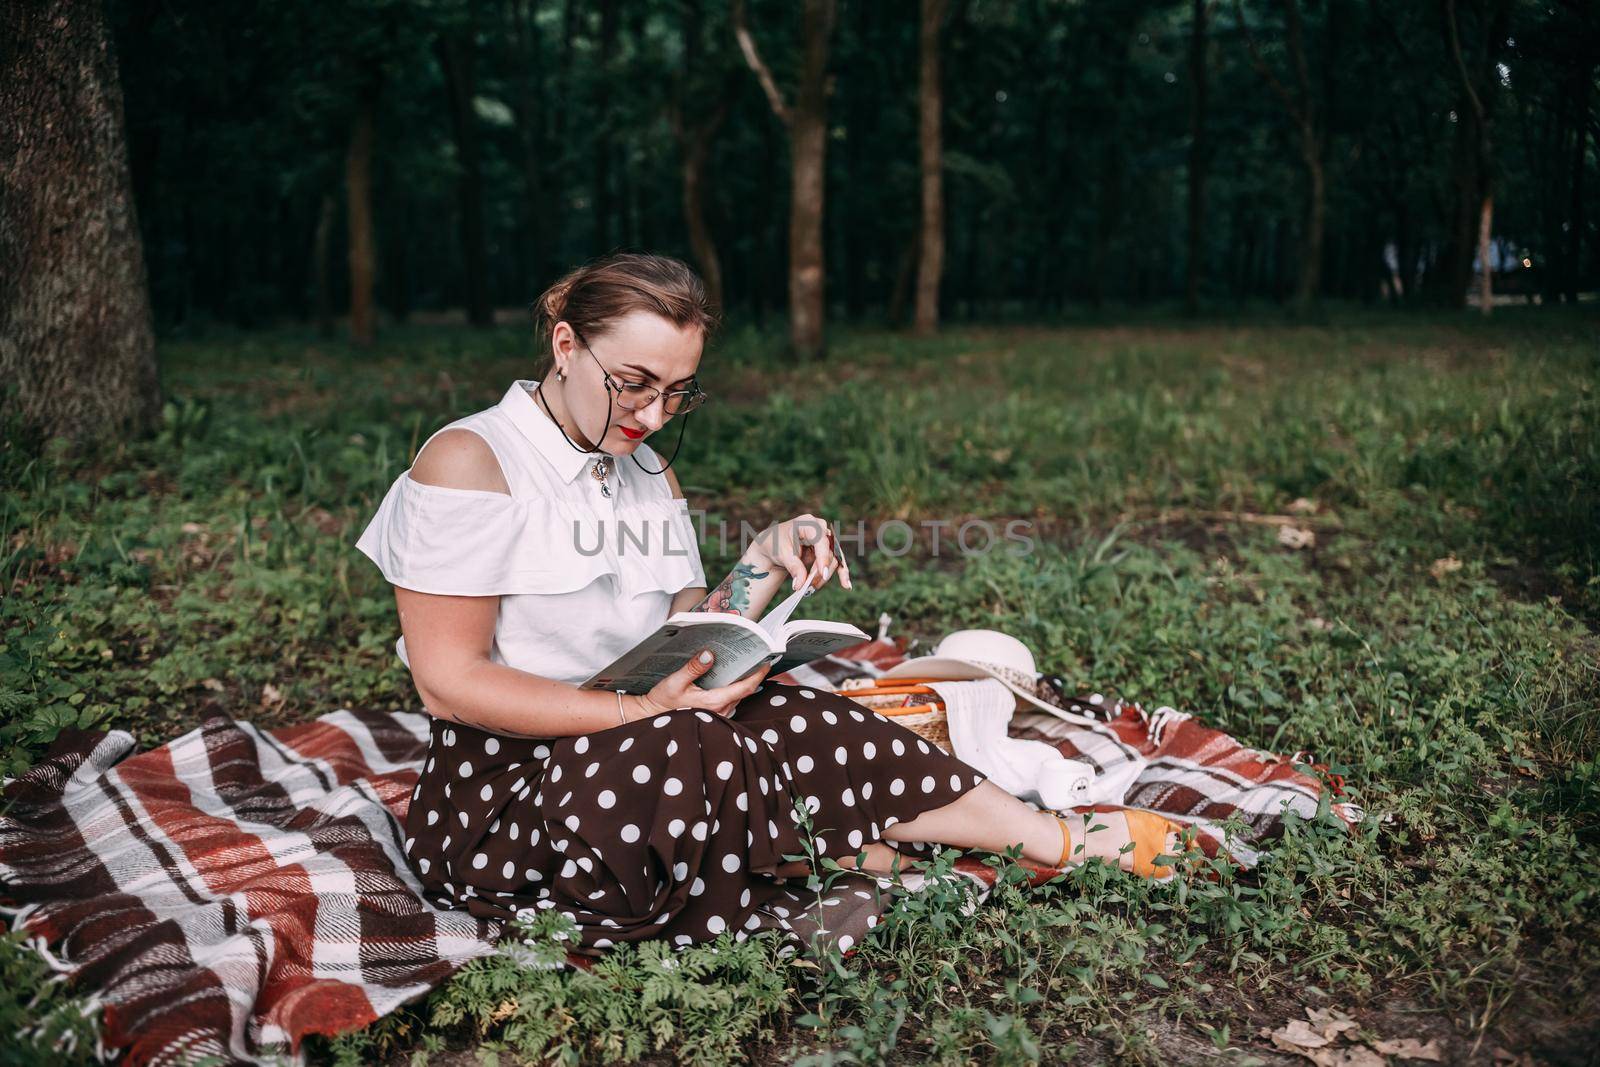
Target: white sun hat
967,655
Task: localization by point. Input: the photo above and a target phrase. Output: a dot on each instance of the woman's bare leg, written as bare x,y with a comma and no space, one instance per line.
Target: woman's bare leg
989,818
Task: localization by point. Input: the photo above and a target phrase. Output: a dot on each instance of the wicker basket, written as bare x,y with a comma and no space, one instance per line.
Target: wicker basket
908,702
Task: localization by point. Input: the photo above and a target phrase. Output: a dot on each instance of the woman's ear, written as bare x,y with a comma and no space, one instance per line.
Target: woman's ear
561,345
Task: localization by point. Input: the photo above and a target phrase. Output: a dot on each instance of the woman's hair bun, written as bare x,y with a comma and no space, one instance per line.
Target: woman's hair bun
592,296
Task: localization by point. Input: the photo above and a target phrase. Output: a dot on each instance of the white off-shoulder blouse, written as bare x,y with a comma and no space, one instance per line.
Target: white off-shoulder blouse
582,576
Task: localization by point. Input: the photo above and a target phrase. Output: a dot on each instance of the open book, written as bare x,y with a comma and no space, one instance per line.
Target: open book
740,646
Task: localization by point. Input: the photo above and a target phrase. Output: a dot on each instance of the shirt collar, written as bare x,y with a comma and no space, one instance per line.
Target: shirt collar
528,415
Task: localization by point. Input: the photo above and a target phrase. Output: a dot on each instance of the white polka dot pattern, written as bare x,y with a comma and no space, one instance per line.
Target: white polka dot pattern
675,826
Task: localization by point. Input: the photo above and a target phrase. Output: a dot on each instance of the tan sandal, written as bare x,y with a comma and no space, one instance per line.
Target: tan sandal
1149,833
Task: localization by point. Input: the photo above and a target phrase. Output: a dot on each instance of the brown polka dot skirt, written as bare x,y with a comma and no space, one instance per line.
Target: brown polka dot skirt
676,826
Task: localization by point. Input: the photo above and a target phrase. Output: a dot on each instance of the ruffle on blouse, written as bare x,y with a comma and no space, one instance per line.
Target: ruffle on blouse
464,542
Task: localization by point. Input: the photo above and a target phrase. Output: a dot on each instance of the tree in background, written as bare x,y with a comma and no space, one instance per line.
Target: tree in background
358,214
702,97
1301,106
930,110
1079,163
77,351
807,122
1477,66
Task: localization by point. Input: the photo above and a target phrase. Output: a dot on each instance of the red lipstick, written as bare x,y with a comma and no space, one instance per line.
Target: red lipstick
632,435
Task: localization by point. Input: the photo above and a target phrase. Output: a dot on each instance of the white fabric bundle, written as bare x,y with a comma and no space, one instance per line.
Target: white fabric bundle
978,714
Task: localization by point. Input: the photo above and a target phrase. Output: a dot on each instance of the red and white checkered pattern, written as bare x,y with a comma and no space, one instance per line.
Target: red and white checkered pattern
228,893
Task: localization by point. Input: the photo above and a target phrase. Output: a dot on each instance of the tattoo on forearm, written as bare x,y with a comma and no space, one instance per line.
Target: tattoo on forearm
732,595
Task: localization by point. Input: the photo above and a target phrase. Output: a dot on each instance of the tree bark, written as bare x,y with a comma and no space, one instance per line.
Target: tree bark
930,262
695,141
322,265
904,274
1199,157
807,121
358,213
1474,152
77,348
696,153
1572,275
1485,267
1308,285
457,53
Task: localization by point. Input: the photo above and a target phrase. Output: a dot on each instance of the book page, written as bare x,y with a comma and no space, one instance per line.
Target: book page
736,649
775,618
812,640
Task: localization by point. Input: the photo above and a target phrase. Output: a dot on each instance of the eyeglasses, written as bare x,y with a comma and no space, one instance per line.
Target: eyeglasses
635,396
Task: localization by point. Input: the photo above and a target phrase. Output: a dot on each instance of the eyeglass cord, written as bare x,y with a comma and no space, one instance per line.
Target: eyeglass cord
682,428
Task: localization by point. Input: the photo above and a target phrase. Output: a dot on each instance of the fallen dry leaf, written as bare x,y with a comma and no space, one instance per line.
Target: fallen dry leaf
1442,567
1296,537
1331,1022
1302,506
212,684
1409,1048
1297,1035
270,695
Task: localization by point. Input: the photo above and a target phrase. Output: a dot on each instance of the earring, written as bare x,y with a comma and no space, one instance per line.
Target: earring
561,375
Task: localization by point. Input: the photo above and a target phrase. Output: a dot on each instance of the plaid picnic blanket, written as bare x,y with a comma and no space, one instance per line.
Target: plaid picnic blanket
1191,773
228,893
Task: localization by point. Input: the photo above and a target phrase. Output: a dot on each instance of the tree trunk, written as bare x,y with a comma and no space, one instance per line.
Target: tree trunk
77,349
1308,284
457,53
807,121
930,262
1571,276
396,286
696,153
322,265
1198,158
695,141
358,212
806,292
1486,268
1474,153
905,271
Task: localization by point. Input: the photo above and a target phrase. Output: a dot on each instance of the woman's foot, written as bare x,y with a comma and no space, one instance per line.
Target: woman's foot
1107,836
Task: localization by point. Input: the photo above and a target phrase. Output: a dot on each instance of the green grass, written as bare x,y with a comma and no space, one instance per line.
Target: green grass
210,570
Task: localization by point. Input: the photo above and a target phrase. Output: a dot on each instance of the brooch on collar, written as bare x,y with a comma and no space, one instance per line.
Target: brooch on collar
601,471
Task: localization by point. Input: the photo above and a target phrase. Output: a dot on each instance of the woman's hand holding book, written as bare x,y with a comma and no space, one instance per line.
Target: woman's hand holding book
678,690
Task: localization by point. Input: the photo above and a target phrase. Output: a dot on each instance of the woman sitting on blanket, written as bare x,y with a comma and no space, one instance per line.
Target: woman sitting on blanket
531,544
